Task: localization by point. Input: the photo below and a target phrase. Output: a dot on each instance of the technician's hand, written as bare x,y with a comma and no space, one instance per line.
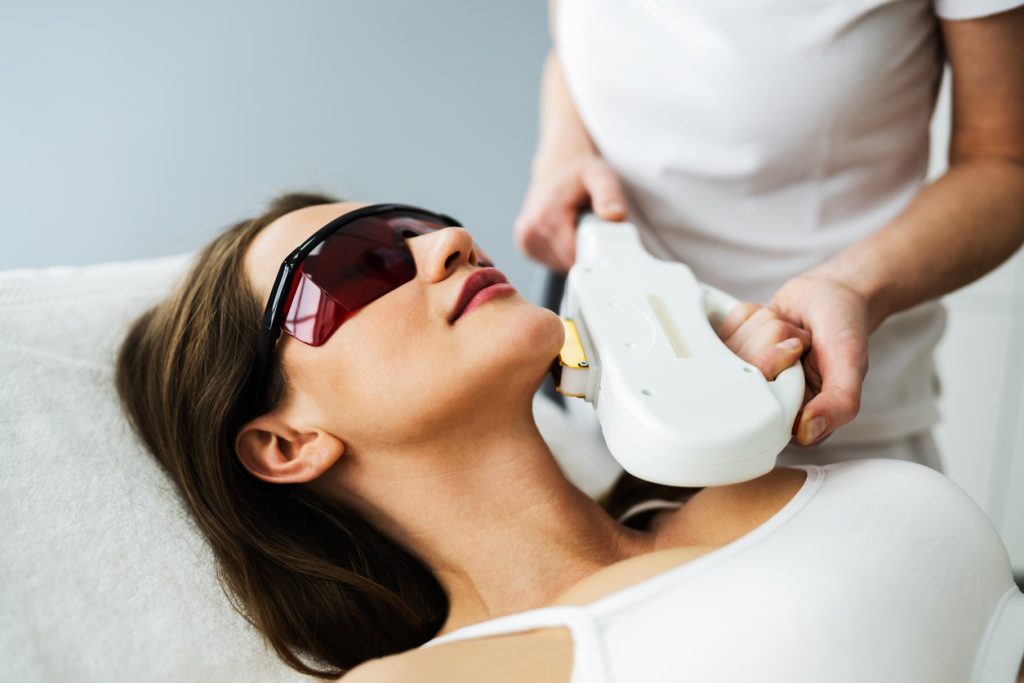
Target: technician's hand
763,338
837,318
546,227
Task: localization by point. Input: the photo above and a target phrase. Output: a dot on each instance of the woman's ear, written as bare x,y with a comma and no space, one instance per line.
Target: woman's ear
275,452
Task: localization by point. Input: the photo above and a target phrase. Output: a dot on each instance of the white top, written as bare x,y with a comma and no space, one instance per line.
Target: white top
876,570
758,138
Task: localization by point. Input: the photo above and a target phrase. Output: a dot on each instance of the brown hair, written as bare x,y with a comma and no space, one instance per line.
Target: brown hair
326,589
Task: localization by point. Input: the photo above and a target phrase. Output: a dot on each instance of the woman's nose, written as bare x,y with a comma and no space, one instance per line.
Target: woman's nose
439,254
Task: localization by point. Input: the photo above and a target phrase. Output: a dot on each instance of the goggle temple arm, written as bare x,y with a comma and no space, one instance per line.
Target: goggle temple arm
270,328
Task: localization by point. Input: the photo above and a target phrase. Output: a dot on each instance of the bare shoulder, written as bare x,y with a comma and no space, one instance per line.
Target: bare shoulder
721,514
543,656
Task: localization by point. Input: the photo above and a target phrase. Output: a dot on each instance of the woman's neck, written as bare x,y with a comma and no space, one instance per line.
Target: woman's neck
531,535
494,518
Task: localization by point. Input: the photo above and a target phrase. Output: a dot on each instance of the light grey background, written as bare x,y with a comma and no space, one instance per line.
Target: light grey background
136,129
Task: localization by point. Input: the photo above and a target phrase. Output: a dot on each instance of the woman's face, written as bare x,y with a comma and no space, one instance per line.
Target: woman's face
398,371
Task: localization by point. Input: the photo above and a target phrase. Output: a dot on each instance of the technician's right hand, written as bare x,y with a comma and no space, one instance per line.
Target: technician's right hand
546,227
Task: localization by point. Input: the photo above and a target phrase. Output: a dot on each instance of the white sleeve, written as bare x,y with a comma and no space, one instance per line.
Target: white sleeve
973,9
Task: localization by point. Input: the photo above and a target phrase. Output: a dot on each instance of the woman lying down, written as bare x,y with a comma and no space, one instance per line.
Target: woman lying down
381,503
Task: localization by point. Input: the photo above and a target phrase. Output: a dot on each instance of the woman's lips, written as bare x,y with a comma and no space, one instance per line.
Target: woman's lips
486,294
476,290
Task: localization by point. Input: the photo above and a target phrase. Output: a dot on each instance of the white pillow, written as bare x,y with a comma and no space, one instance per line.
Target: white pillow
103,576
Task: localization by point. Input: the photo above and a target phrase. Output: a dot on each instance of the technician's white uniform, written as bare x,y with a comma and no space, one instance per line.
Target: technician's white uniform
758,138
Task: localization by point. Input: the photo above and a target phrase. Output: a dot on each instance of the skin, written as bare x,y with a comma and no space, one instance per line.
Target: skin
400,409
955,230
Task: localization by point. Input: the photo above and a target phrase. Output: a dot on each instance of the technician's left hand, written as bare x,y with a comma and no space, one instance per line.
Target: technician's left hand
763,338
838,320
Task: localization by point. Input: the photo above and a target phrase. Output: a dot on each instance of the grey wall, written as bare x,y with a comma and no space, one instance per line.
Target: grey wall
135,129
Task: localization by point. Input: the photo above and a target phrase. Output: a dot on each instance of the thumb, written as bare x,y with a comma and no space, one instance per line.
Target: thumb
839,399
606,195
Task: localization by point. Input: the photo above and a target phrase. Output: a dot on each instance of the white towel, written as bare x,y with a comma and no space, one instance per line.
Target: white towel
103,576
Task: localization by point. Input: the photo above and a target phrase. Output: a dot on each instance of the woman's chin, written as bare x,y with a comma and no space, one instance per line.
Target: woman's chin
520,339
539,332
537,340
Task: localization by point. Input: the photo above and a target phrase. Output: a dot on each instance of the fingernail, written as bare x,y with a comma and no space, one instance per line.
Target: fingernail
614,207
791,343
814,429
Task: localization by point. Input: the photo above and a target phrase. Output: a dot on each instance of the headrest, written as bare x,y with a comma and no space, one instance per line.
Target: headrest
103,576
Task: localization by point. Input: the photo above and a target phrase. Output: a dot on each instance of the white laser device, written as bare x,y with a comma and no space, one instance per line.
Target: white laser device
676,406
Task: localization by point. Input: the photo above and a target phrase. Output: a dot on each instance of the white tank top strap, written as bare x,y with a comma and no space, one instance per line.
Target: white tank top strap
650,505
588,660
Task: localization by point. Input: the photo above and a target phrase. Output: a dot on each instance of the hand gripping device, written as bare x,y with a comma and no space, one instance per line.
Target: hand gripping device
676,406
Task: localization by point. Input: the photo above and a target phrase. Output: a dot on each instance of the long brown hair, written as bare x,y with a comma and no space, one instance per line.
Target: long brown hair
326,589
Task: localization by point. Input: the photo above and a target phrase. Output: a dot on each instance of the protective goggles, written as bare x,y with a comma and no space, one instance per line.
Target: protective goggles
343,266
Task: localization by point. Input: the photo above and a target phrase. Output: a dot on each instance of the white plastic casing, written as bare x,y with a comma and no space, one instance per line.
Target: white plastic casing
675,404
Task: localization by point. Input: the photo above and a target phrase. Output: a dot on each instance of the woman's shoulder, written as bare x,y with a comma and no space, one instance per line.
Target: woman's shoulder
719,515
543,656
909,491
710,519
870,496
896,483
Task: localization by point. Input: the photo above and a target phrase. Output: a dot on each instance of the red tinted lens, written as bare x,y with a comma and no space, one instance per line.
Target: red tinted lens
360,262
